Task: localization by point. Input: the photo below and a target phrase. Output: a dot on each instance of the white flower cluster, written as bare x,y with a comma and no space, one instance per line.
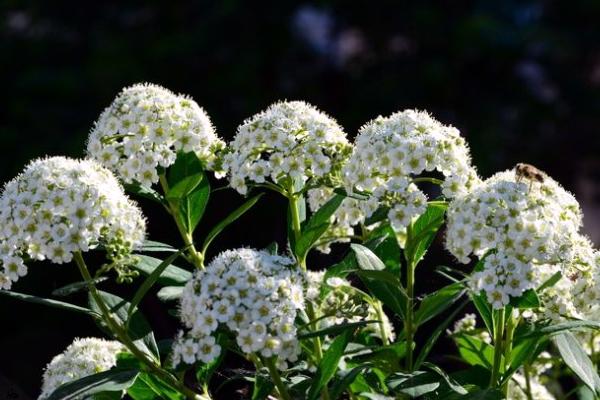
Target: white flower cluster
59,206
83,357
145,127
576,294
253,293
467,325
518,388
391,151
288,140
345,304
524,224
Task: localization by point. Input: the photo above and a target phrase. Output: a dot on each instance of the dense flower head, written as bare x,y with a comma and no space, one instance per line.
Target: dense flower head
58,206
253,293
467,325
515,226
344,303
391,151
575,295
145,127
83,357
287,140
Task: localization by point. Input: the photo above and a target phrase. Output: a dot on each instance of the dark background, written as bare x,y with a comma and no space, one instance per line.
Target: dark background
520,79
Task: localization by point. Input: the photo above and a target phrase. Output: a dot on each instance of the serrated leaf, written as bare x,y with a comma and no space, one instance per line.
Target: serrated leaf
107,381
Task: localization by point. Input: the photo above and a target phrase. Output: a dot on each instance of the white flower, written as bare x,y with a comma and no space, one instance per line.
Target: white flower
468,325
145,127
59,206
390,151
518,388
527,227
253,293
82,358
289,139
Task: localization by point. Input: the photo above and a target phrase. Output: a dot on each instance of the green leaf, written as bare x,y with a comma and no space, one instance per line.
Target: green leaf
553,280
138,328
107,381
484,309
72,288
150,387
144,191
386,248
577,360
50,303
366,259
529,299
391,294
170,293
170,276
263,387
563,326
413,384
483,394
346,380
189,189
317,224
435,303
237,213
474,351
186,165
329,364
423,231
151,246
428,346
149,282
452,384
335,329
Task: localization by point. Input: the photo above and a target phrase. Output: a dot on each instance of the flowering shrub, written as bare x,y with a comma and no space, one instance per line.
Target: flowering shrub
353,329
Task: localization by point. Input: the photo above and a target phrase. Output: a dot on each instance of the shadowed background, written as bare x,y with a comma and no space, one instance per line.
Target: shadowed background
521,80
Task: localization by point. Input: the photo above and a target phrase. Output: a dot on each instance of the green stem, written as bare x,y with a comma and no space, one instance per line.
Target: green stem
196,257
409,328
295,213
409,317
283,393
511,324
118,331
527,374
498,335
310,310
